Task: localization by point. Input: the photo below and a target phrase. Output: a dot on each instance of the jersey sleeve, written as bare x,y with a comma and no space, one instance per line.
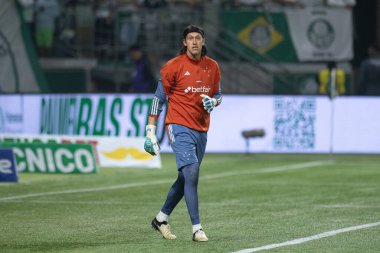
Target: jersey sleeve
167,76
158,100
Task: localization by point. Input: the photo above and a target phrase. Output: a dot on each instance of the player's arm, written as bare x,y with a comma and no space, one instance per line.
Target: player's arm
218,96
209,103
151,144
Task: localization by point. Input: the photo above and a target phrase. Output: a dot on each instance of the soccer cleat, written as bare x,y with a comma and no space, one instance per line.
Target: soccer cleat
200,236
164,229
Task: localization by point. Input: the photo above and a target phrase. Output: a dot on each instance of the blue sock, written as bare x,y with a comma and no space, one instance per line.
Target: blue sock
175,194
191,176
185,185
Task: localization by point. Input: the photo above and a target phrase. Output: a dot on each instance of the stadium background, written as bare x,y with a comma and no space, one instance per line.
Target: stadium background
89,56
269,60
70,112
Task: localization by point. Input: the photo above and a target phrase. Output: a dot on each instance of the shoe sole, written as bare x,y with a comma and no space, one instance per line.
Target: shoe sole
200,240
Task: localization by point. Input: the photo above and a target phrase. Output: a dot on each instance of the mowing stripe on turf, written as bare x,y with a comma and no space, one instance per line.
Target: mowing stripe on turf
269,170
212,204
309,238
137,184
105,188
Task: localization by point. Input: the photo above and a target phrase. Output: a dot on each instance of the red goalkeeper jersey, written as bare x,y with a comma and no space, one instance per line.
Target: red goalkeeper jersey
184,80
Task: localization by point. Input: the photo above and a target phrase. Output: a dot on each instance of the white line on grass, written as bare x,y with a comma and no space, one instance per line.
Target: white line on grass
137,184
105,188
60,202
309,238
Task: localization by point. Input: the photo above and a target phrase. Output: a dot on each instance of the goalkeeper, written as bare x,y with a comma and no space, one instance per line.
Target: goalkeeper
190,85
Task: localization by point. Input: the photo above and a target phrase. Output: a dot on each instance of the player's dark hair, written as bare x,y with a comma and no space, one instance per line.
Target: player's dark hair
192,29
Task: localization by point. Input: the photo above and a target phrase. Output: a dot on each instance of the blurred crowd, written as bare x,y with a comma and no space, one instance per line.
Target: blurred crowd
133,31
69,28
93,28
273,4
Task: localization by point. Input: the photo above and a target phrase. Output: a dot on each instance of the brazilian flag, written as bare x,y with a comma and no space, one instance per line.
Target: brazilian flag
264,36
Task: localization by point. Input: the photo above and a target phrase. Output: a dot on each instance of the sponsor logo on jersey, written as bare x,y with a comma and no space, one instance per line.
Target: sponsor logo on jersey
187,73
201,89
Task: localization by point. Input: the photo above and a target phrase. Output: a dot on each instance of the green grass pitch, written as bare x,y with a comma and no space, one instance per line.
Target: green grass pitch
246,201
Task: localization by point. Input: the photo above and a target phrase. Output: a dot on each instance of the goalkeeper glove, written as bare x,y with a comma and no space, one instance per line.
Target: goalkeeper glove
208,103
151,145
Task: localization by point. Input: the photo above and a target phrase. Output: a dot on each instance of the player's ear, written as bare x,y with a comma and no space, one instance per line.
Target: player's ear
184,42
204,41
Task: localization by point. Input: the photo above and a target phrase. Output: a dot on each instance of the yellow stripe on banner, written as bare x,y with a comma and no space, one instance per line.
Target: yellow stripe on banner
122,153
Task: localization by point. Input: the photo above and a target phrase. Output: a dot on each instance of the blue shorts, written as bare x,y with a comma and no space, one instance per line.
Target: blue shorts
188,145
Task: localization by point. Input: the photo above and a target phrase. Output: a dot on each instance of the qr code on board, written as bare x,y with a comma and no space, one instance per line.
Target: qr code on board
294,123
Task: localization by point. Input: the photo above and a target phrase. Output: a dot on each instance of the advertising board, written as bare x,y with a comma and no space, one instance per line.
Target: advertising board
292,124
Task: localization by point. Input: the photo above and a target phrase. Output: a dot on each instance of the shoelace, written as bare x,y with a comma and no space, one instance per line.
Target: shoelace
201,232
167,231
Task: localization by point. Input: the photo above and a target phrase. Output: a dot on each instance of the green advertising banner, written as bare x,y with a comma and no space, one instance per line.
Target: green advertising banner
323,34
94,115
264,36
53,158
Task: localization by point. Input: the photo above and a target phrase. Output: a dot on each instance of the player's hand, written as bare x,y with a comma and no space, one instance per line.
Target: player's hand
208,103
151,144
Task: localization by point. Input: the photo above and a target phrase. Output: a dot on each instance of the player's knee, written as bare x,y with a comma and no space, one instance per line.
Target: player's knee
194,178
191,173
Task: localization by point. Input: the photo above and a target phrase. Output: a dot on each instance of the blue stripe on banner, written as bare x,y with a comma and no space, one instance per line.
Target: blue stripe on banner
8,168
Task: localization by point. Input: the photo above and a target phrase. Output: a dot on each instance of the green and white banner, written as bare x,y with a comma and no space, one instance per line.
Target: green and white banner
321,34
53,158
88,115
110,151
116,123
19,71
295,35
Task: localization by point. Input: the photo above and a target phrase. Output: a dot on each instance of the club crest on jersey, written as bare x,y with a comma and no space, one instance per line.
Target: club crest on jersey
201,89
